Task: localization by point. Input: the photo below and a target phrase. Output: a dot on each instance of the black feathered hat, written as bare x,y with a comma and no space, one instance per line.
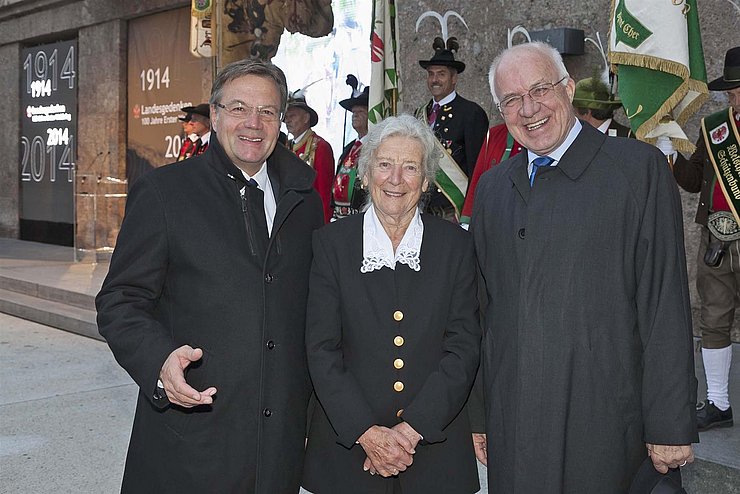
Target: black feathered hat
444,54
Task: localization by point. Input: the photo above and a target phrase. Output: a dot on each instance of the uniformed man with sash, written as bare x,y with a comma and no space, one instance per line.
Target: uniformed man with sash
459,124
714,170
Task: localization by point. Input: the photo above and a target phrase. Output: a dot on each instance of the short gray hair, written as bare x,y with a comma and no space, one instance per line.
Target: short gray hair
404,126
535,47
242,68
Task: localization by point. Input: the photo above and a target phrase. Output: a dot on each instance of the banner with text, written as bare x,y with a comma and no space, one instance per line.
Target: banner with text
163,76
48,142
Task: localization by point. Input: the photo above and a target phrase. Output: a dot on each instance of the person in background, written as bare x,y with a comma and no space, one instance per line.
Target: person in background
347,194
459,124
197,127
587,355
393,363
204,304
596,105
499,146
718,260
313,149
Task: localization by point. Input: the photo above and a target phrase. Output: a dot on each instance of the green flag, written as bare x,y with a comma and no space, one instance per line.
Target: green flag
385,84
655,49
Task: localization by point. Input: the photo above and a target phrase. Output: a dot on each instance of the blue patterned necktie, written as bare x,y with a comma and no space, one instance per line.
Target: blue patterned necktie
536,164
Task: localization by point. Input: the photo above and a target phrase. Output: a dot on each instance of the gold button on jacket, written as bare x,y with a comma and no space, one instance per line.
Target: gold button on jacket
398,340
398,315
398,363
398,386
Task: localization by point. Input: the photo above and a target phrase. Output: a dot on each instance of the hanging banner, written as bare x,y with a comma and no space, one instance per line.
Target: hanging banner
48,142
163,77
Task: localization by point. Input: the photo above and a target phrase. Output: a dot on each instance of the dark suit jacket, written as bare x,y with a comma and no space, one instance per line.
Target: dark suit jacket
352,344
696,174
183,272
461,127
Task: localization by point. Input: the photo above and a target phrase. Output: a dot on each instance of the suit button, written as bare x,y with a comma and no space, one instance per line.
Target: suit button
702,203
266,412
270,344
398,363
398,386
398,315
398,341
521,233
399,413
269,278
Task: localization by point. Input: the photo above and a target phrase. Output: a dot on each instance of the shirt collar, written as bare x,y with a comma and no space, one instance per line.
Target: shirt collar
205,137
377,249
447,99
260,177
605,126
558,152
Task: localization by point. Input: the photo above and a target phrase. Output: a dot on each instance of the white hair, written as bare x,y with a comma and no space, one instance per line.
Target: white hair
535,47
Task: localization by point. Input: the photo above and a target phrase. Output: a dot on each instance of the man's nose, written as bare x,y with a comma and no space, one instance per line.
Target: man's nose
529,106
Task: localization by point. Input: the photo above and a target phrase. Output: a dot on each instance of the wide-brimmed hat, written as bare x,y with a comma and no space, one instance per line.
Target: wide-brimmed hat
731,75
444,55
593,93
361,100
203,109
298,100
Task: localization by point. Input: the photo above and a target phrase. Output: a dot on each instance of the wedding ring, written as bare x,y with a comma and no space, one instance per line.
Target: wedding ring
684,463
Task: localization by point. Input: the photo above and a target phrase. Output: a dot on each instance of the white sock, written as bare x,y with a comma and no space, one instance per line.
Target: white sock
717,369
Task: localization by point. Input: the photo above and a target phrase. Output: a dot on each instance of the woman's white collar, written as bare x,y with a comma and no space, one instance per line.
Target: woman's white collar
377,249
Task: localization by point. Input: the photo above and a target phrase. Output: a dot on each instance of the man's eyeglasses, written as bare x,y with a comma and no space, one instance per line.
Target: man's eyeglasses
241,111
513,103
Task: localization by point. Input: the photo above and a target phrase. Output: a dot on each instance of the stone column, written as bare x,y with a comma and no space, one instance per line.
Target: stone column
101,149
9,129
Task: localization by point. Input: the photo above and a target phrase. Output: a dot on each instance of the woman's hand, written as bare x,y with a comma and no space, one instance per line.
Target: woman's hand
388,451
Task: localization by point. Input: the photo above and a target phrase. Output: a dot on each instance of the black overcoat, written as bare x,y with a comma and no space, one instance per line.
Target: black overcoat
587,349
358,325
183,272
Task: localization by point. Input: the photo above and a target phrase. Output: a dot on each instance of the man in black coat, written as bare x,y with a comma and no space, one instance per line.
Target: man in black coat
459,124
205,301
588,353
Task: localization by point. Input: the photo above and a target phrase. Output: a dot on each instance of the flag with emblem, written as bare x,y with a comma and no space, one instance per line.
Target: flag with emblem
385,84
655,49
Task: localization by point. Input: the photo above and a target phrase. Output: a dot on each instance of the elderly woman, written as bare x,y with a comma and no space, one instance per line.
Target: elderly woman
392,363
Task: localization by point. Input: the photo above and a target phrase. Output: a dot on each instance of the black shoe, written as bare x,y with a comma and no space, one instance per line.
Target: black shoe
708,416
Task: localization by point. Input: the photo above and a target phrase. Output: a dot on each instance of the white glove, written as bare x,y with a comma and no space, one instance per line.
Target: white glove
665,145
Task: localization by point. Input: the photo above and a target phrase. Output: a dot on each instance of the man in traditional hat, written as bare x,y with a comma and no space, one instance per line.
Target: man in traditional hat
460,126
596,105
347,194
310,147
197,127
712,171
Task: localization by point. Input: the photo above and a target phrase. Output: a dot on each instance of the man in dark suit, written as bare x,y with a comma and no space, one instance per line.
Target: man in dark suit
459,124
205,301
596,105
587,354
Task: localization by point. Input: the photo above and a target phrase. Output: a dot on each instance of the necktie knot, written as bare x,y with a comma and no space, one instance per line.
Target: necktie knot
252,183
537,163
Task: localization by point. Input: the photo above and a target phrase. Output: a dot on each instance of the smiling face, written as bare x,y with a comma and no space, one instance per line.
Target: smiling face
396,179
247,141
539,126
441,81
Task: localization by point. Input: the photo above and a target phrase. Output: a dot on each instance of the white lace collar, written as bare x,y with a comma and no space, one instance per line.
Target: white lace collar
377,249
